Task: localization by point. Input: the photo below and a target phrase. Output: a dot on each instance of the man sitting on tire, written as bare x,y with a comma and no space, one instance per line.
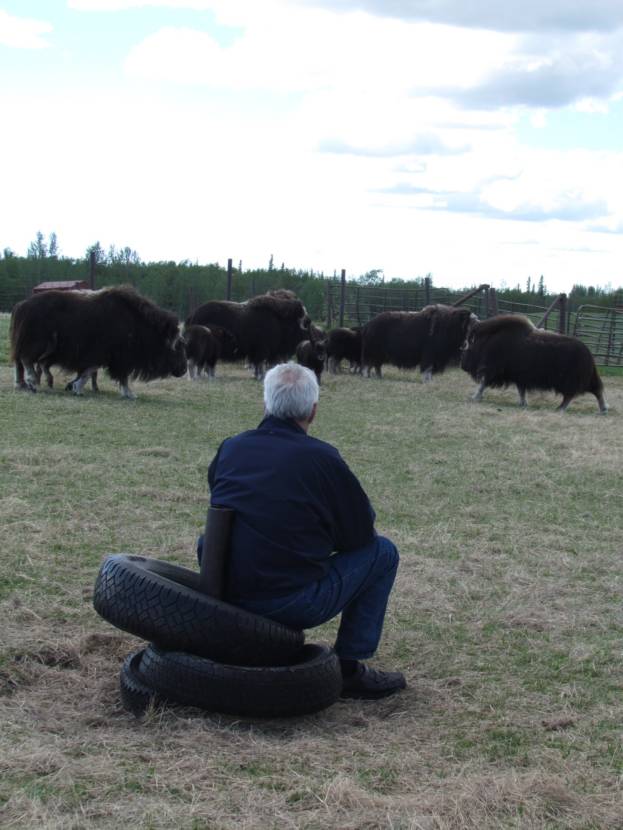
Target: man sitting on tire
303,545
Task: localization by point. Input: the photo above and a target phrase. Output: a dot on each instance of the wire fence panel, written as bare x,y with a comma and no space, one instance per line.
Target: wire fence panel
602,331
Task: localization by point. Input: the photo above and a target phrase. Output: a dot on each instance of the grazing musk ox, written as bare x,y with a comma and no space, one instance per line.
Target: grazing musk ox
266,328
430,338
312,354
344,344
203,348
508,349
115,328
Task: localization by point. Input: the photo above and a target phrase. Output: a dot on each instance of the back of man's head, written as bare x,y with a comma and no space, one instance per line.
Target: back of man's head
290,391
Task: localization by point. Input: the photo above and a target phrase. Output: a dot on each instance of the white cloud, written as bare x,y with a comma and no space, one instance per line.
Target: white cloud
122,5
23,32
508,15
290,49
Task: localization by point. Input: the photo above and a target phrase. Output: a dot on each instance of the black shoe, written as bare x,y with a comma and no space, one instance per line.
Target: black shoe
371,684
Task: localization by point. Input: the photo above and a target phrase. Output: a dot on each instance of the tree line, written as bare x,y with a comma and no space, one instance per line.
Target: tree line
182,286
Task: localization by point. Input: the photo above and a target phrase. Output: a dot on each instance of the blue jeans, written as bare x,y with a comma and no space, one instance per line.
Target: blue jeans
357,584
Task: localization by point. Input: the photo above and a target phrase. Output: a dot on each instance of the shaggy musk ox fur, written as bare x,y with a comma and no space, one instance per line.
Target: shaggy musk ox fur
203,348
115,328
508,349
344,344
431,339
312,354
266,329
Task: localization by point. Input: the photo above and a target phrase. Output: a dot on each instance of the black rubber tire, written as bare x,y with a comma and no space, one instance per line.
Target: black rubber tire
308,685
161,603
136,695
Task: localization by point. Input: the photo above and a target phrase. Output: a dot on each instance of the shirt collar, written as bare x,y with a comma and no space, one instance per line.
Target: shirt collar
271,423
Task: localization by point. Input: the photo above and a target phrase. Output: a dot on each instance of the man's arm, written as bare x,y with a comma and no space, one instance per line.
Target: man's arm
212,467
352,514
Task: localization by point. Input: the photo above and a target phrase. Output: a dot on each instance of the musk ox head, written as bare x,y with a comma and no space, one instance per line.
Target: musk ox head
174,357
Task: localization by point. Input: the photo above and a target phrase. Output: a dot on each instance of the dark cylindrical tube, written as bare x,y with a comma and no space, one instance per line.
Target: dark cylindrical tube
215,555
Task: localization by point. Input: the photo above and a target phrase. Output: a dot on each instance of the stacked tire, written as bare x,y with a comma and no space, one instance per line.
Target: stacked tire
205,652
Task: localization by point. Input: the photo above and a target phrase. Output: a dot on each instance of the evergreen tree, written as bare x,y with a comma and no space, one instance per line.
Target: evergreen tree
53,250
38,249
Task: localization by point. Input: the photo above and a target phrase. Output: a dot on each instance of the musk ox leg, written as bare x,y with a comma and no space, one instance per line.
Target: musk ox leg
20,383
521,391
427,374
125,390
603,406
193,374
31,381
477,396
566,400
77,385
94,385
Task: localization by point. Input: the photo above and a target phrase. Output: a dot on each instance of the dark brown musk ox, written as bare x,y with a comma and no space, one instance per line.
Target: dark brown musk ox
267,328
204,347
344,344
431,339
312,354
114,328
508,349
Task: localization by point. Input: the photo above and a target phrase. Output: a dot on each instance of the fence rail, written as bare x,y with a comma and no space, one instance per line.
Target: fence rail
602,331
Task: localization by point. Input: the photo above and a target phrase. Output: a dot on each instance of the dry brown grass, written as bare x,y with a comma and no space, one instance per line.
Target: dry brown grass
506,616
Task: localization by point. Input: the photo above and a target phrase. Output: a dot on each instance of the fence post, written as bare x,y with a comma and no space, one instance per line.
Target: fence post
229,276
357,306
493,298
562,314
92,270
427,287
342,296
329,302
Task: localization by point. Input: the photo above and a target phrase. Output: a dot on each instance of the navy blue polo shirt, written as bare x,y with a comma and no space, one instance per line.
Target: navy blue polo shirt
296,502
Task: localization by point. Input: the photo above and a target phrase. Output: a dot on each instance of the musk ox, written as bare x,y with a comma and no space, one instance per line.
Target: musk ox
344,344
431,339
266,328
203,348
508,349
312,354
114,328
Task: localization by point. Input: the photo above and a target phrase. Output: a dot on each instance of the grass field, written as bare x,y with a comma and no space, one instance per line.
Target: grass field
506,616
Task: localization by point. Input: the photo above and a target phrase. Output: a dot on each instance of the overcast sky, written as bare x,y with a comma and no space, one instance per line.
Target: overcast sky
480,141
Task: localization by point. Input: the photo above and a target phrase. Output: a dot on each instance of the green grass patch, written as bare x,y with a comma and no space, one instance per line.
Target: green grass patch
505,617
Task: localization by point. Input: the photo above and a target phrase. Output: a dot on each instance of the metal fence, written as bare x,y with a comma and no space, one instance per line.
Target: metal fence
601,328
602,331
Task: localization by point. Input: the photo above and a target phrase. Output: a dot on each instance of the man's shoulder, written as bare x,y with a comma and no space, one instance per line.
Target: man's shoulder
323,447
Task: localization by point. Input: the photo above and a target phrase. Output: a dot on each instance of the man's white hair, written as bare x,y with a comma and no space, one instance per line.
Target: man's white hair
290,391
